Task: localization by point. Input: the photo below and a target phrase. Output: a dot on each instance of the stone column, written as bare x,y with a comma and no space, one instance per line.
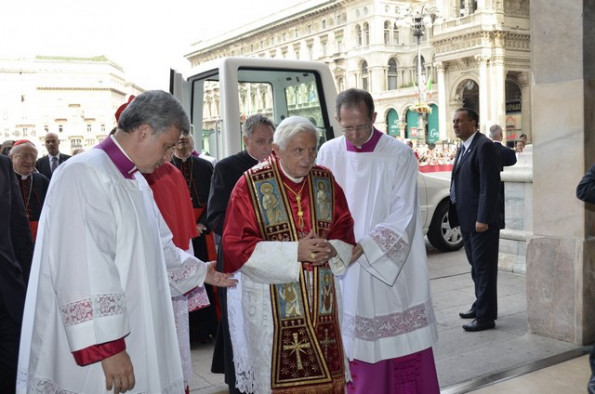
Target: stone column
561,254
377,80
498,93
442,108
483,91
523,80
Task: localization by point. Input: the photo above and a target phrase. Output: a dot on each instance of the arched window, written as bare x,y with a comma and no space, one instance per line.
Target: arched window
512,91
358,33
387,33
392,74
395,34
366,34
364,75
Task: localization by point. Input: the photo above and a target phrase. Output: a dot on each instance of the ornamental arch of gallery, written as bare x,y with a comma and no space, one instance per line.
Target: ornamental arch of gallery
468,93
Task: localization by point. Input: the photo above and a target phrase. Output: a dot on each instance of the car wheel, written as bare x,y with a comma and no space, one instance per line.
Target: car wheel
440,234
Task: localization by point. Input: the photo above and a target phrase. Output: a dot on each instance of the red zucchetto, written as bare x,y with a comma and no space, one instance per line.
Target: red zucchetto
122,107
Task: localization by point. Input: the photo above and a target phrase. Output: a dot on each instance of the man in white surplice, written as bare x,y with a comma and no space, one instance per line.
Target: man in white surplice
388,321
98,313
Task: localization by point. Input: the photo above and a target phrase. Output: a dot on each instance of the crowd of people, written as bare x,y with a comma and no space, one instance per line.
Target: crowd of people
441,155
320,283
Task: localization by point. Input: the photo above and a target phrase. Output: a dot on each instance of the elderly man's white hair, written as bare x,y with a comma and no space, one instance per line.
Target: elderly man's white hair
291,126
495,131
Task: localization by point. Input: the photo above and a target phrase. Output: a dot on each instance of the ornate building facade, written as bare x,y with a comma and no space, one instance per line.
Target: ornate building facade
471,53
76,98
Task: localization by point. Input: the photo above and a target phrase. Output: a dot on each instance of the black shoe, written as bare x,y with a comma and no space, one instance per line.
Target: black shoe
479,325
470,314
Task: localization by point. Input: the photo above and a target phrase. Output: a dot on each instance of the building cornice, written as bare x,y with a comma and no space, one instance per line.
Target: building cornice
267,26
456,44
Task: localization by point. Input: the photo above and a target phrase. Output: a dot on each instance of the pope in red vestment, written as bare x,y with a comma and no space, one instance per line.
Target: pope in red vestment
288,232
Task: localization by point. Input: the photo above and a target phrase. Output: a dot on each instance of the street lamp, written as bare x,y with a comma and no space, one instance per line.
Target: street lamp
418,19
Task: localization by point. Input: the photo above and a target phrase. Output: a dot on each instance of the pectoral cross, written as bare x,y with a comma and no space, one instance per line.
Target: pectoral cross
300,212
297,347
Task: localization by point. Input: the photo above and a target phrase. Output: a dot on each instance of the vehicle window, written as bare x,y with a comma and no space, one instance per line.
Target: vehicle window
282,93
205,116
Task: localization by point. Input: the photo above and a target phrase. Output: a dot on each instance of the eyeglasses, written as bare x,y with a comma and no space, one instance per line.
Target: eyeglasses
360,128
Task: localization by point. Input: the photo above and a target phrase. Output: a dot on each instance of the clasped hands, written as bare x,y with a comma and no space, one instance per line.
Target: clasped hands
315,250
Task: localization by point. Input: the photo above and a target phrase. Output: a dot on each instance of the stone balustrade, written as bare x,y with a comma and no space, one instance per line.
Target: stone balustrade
518,186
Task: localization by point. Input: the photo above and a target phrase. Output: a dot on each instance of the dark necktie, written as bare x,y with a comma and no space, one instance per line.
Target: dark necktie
461,153
452,183
54,163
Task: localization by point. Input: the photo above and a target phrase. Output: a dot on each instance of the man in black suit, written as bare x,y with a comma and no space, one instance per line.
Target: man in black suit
16,250
507,158
48,163
474,205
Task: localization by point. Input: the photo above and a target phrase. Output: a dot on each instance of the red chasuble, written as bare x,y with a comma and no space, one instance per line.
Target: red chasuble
307,349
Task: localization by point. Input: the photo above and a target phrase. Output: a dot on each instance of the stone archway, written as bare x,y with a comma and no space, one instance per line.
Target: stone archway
468,92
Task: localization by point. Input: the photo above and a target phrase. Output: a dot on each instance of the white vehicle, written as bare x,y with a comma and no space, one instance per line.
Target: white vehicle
434,192
226,91
221,94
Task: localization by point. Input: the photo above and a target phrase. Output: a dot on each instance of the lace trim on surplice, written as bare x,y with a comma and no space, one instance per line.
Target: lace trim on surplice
390,243
47,386
184,272
97,306
391,325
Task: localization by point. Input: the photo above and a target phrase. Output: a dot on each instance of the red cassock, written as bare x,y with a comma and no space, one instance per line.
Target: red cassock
168,185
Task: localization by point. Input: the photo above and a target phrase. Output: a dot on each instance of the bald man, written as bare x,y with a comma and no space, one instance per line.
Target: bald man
48,164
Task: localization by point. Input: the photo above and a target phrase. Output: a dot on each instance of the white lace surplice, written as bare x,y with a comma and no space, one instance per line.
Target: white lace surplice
386,296
107,272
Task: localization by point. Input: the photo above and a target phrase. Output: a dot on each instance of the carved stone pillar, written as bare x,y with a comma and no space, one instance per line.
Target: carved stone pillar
377,78
483,90
561,254
498,93
523,79
442,108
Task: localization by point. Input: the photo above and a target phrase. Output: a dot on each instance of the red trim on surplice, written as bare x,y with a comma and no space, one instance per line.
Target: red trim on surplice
95,353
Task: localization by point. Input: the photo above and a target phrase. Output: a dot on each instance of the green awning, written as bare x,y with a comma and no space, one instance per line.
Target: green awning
392,120
433,128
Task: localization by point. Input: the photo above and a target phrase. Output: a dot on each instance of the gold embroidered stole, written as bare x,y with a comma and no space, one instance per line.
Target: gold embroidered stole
307,347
